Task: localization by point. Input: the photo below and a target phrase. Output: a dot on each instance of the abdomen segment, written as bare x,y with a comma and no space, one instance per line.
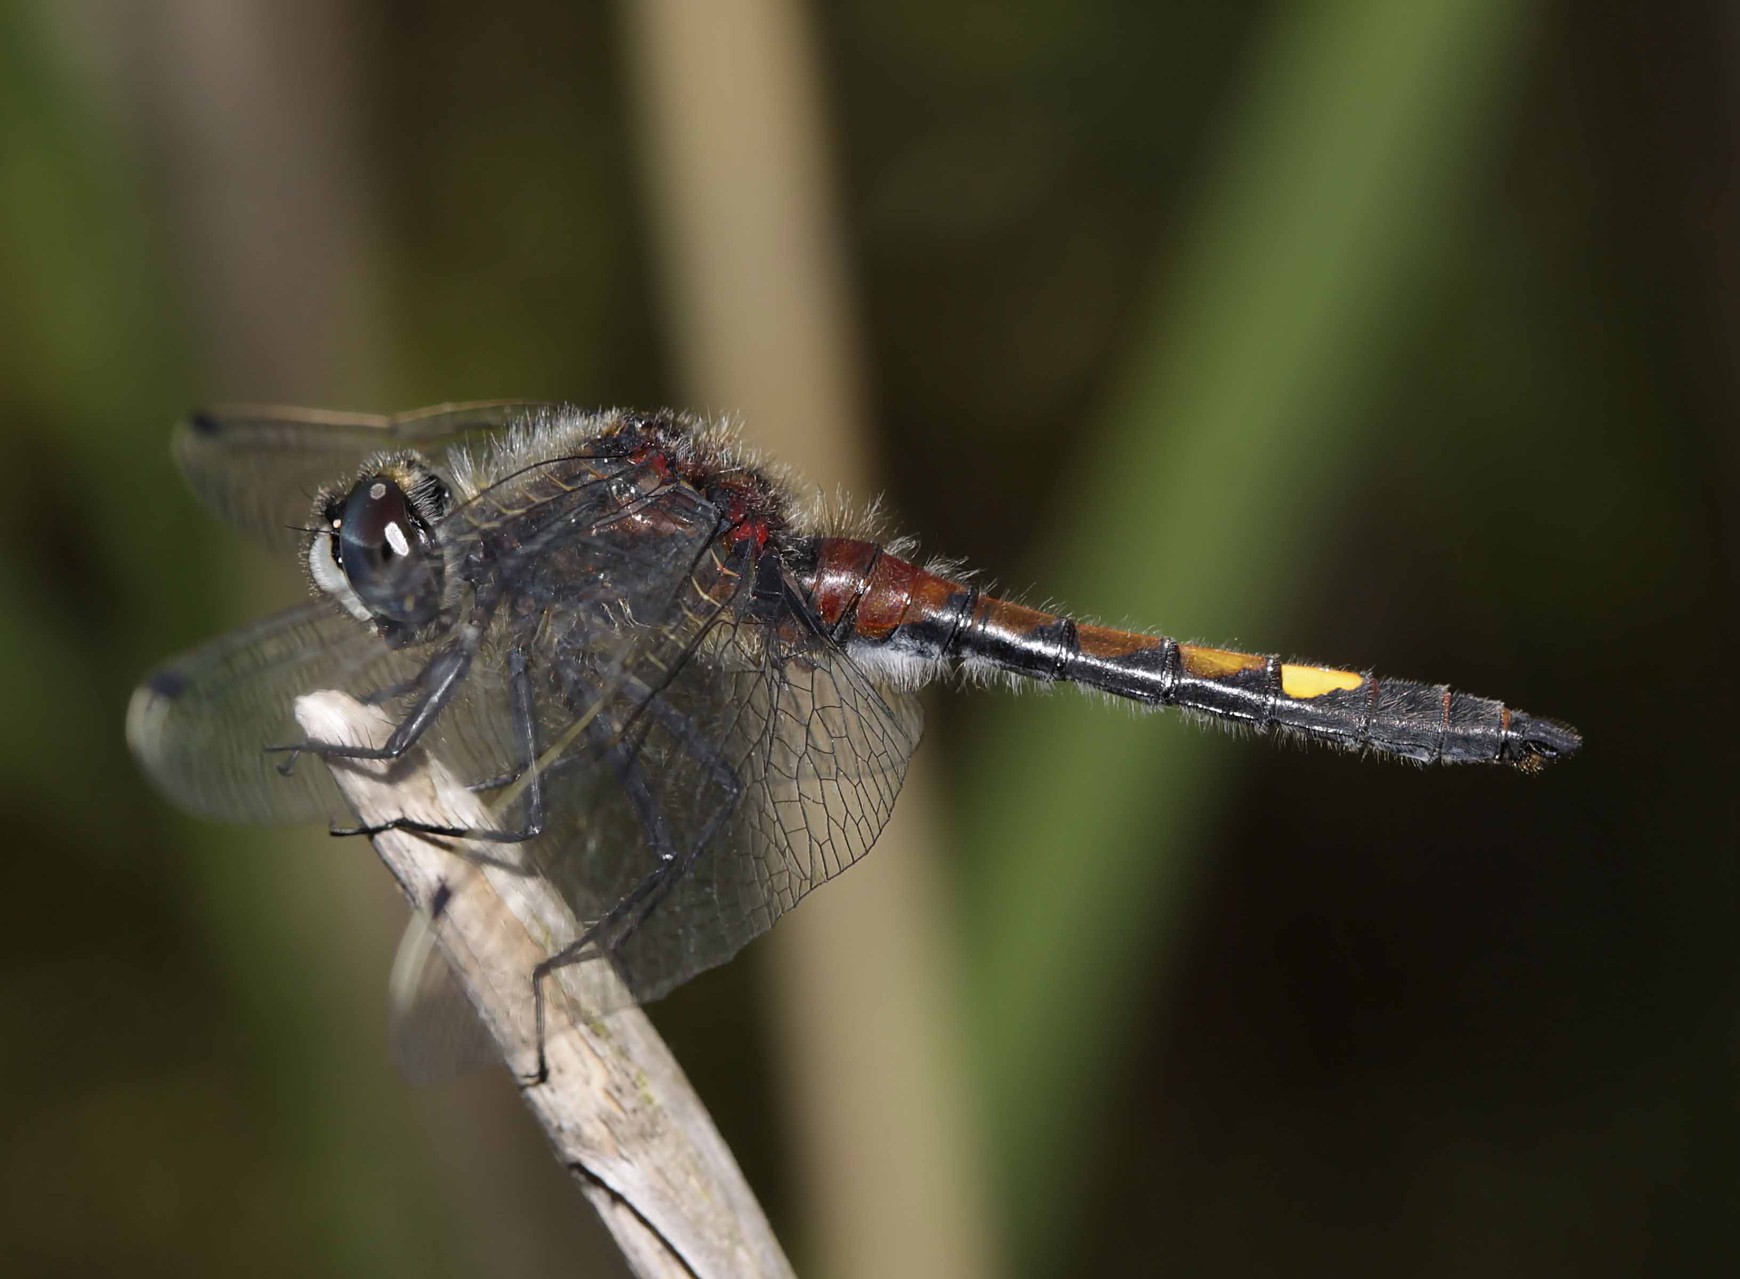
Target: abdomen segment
907,623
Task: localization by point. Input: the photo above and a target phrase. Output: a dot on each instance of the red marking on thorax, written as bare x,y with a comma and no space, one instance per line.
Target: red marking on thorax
743,522
743,506
754,532
656,458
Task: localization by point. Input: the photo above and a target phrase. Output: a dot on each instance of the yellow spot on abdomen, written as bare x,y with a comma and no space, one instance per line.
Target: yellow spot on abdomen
1216,663
1305,682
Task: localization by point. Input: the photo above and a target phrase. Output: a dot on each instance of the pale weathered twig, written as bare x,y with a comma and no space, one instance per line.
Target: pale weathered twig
616,1106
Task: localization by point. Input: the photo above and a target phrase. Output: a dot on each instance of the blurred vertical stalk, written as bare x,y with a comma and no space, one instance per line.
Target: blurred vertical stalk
1235,430
759,306
248,114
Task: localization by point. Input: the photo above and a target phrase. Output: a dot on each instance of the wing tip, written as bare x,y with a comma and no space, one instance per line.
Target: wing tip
146,711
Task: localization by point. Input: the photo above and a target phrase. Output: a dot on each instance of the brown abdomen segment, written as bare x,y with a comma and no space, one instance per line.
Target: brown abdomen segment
870,599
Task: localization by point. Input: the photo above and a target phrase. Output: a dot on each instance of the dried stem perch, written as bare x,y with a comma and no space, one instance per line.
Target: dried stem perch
616,1106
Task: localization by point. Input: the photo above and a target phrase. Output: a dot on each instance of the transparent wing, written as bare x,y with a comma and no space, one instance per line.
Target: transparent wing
201,723
433,1033
259,467
820,754
705,754
740,761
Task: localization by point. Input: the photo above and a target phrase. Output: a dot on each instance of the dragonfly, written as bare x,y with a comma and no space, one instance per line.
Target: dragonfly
689,697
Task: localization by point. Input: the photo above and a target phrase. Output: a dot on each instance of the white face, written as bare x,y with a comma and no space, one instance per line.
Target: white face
323,567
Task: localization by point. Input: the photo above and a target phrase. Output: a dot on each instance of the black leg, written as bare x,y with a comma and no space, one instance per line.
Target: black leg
612,929
439,680
525,720
608,932
393,692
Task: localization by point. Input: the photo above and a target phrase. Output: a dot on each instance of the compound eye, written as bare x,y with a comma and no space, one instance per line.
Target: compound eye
386,553
376,522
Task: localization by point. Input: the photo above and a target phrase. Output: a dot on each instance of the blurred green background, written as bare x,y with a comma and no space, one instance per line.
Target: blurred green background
1389,335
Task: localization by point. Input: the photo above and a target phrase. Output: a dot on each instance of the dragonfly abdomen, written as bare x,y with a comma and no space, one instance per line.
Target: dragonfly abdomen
909,624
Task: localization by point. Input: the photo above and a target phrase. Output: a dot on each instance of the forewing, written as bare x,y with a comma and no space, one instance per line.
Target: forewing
260,467
202,724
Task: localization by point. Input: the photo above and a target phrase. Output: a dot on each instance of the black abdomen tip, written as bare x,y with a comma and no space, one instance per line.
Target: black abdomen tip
1532,742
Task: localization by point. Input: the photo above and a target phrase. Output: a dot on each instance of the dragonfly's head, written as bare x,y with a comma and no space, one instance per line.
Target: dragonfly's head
374,547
